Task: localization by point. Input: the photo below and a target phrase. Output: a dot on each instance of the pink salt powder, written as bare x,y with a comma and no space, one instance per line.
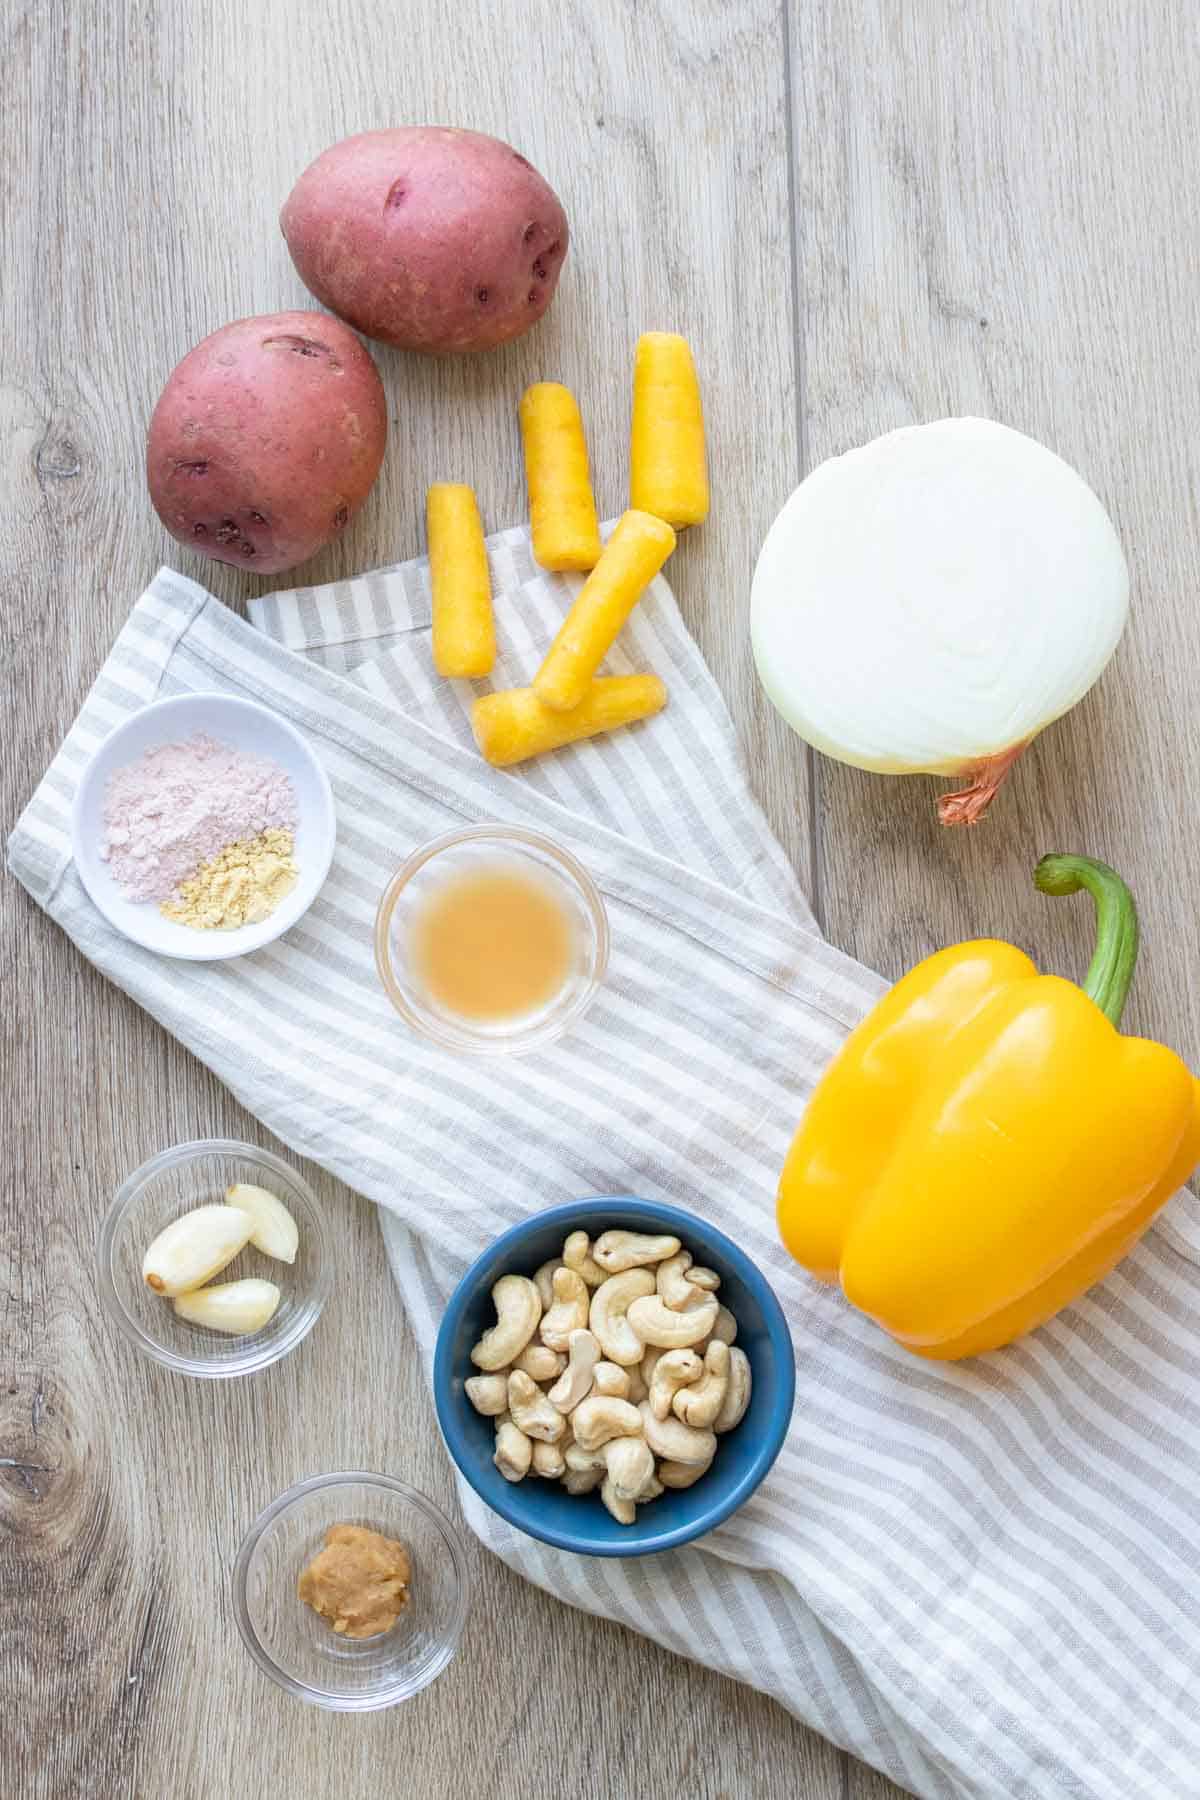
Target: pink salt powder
181,804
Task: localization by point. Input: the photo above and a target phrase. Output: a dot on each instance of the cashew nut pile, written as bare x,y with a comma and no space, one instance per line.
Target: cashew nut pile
187,1254
614,1367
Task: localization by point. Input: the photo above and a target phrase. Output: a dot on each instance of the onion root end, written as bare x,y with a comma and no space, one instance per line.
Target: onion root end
969,804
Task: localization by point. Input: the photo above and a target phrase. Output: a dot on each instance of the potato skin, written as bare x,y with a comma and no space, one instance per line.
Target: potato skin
427,237
266,440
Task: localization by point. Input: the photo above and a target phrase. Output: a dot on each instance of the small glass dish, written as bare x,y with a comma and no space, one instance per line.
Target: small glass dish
460,852
171,1184
301,1651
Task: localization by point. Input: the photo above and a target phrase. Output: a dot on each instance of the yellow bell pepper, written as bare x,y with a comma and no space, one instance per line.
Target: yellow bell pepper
986,1145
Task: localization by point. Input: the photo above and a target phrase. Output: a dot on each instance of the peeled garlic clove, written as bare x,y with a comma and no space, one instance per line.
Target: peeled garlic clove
274,1232
191,1250
235,1307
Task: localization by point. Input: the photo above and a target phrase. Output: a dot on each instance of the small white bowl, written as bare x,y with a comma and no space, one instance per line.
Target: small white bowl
246,726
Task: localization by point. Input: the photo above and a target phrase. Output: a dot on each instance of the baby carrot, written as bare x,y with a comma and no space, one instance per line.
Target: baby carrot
562,509
513,725
464,633
631,559
667,474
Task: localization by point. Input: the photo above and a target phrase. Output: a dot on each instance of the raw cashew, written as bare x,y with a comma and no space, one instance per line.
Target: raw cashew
618,1340
543,1281
575,1383
579,1460
577,1254
623,1511
601,1417
724,1326
671,1438
488,1394
514,1451
708,1279
630,1465
737,1394
698,1298
548,1461
674,1290
675,1369
655,1323
531,1410
699,1404
617,1251
570,1309
654,1355
725,1329
682,1475
611,1378
541,1363
582,1481
638,1391
651,1491
518,1310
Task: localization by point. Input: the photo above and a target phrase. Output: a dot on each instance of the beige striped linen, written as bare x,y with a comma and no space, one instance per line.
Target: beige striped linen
981,1579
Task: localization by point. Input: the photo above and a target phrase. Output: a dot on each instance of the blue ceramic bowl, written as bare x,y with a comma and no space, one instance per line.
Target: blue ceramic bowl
579,1522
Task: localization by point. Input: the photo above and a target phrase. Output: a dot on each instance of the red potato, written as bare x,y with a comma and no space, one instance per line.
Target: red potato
427,238
267,439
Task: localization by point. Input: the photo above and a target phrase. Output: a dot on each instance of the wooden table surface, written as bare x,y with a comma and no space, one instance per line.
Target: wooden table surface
862,217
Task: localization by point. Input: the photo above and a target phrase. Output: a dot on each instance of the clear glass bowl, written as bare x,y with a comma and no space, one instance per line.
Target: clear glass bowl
299,1650
172,1183
456,853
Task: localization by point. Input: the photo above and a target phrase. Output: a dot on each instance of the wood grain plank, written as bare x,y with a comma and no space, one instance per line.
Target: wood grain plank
147,150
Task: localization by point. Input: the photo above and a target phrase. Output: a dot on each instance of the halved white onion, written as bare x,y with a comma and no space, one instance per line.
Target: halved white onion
929,602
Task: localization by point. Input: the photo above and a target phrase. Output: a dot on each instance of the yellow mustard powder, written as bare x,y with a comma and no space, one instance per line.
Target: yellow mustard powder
240,886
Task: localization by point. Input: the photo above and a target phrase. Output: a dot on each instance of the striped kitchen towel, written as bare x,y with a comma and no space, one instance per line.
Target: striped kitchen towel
983,1578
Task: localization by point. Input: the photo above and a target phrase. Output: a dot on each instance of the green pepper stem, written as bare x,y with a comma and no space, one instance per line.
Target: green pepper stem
1111,972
